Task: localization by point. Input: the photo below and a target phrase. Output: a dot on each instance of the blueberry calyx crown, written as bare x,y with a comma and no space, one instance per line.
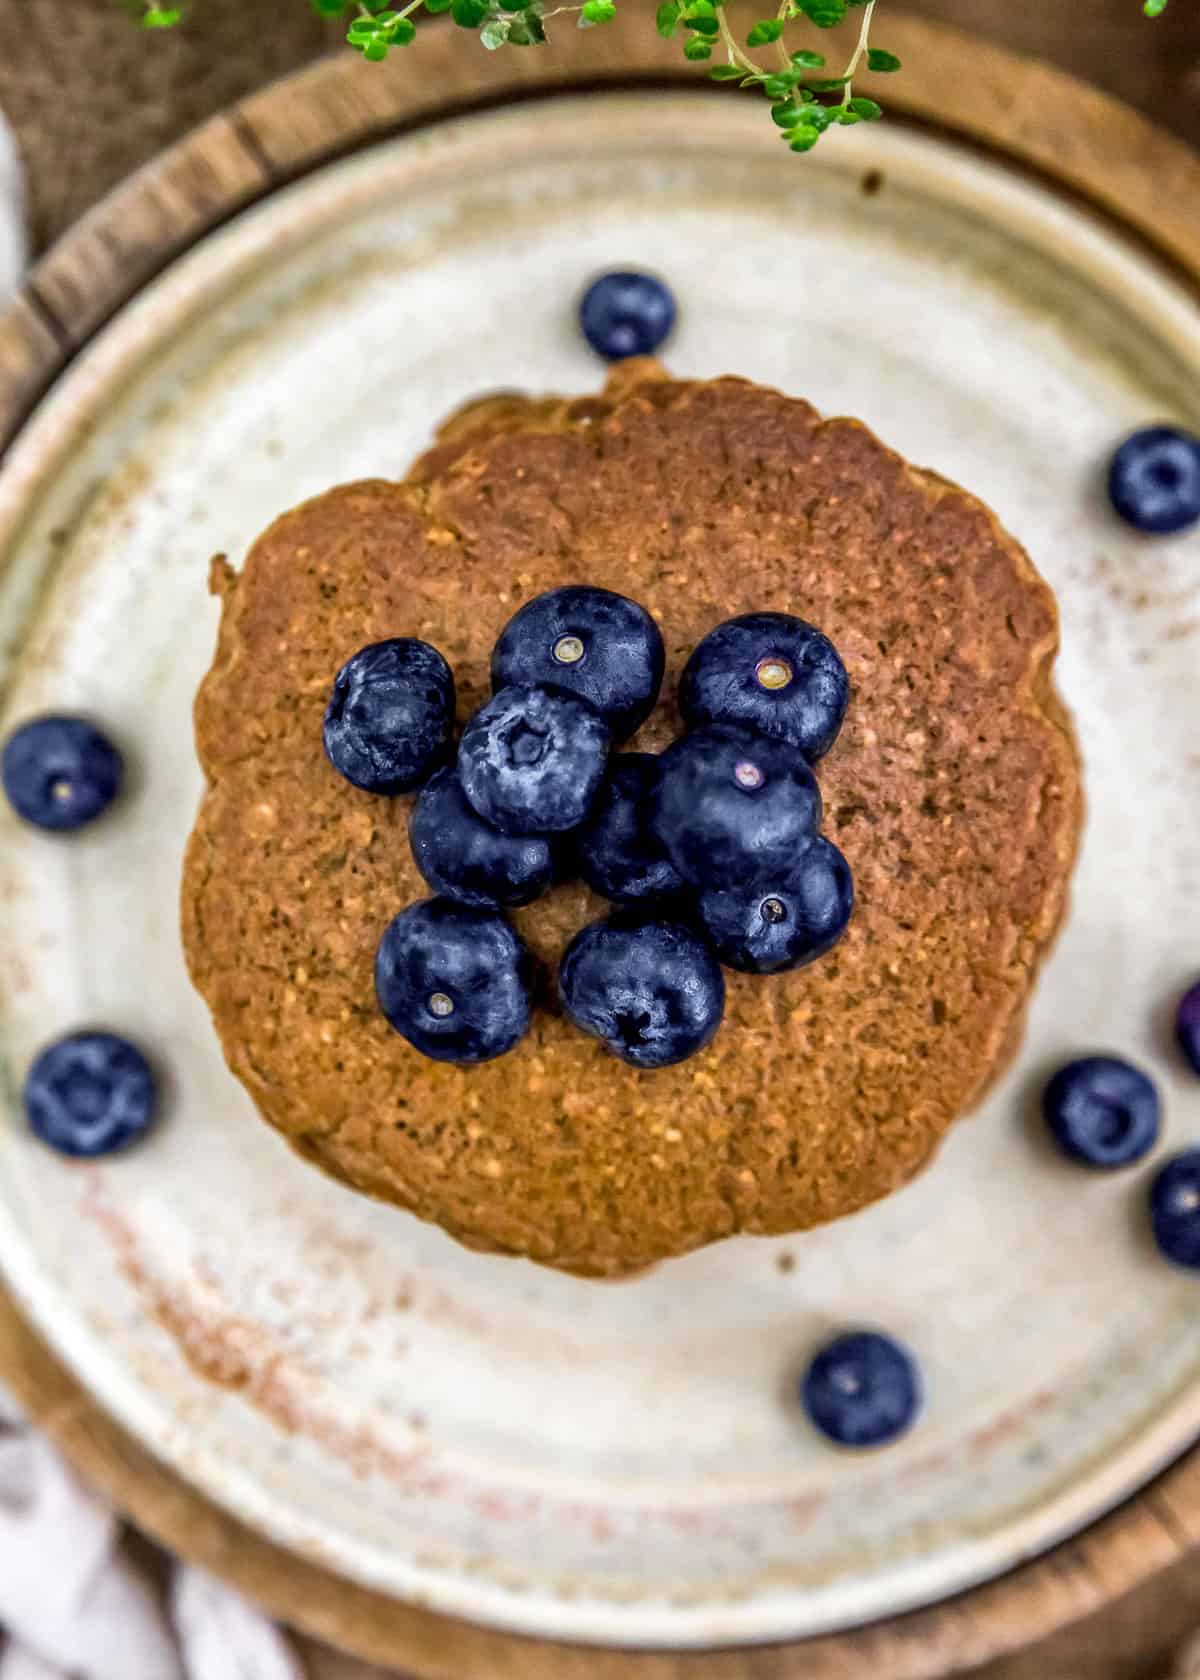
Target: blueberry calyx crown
593,643
90,1094
60,773
1102,1111
771,672
1154,480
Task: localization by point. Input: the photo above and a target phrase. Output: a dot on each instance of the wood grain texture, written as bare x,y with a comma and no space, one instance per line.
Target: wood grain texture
31,352
1077,136
1098,152
188,189
1105,42
92,104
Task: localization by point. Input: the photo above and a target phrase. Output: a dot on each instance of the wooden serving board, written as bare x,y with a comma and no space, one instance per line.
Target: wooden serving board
1095,152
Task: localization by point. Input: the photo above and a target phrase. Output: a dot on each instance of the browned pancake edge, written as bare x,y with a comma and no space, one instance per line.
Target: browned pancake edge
954,791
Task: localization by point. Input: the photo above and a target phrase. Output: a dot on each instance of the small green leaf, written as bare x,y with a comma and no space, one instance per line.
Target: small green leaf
361,31
161,17
707,26
809,60
375,50
882,61
526,30
697,48
787,115
495,33
698,9
598,11
781,84
402,33
328,8
828,84
667,19
866,109
824,13
766,30
1154,8
725,73
469,14
437,6
802,139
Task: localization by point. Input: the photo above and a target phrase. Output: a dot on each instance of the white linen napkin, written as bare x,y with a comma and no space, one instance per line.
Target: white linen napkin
75,1607
12,224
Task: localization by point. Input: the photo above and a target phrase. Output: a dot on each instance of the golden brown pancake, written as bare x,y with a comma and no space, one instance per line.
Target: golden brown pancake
954,790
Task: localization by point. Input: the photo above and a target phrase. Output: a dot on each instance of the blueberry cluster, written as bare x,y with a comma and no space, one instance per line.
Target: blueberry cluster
710,852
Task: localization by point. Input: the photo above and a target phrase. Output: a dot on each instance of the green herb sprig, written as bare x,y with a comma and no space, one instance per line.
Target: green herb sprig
806,100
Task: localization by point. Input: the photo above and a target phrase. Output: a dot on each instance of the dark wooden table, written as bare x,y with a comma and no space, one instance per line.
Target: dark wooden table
91,98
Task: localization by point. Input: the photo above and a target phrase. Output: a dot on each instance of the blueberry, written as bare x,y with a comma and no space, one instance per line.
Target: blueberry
60,773
468,860
862,1389
1187,1026
90,1093
532,760
1102,1111
652,991
626,314
770,672
1175,1209
734,809
588,642
1154,480
453,981
792,922
618,855
390,716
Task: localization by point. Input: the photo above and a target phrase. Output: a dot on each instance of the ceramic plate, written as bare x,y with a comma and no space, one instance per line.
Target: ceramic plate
622,1463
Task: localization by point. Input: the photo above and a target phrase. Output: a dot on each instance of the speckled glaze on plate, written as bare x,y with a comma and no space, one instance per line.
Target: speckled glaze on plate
611,1462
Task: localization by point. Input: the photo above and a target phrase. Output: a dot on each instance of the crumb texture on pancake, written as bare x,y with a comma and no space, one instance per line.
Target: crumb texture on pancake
954,791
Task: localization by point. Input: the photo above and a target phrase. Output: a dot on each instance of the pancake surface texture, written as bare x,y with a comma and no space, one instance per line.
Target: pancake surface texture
954,791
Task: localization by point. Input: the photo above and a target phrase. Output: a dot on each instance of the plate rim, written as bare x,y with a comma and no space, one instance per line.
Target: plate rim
1017,109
